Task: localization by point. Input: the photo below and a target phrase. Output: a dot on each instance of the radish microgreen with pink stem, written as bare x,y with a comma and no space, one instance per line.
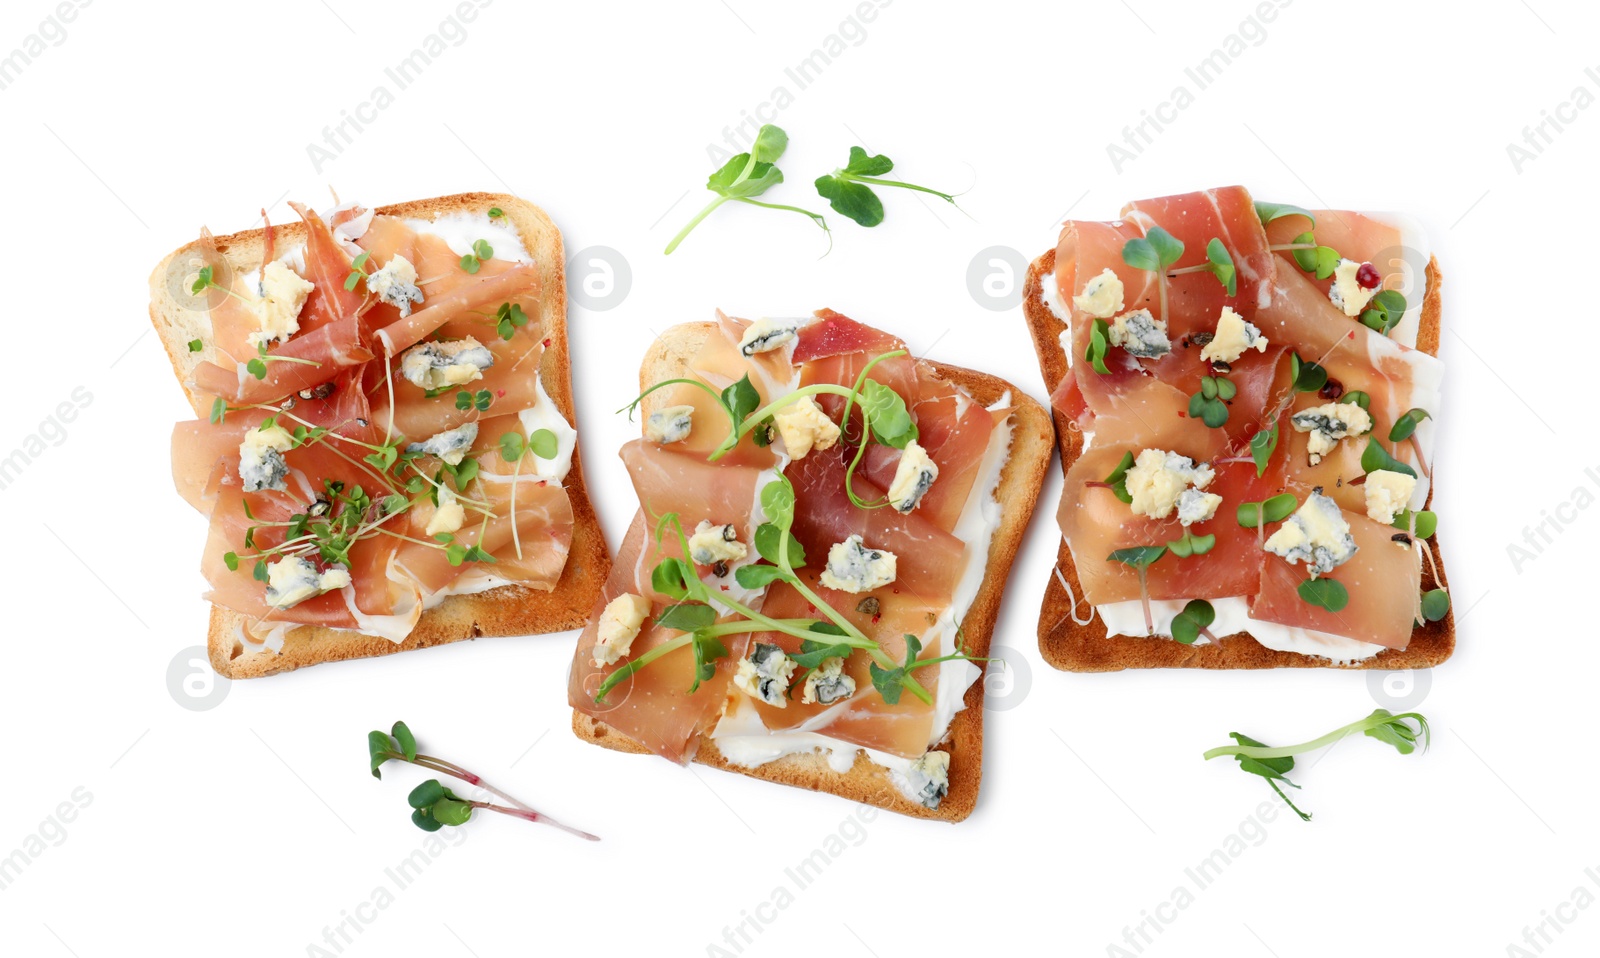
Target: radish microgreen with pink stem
1193,621
1324,593
1274,764
433,805
1219,263
1140,558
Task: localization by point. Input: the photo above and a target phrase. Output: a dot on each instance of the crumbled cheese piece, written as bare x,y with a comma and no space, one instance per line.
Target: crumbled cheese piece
436,365
827,684
618,626
1140,334
765,675
1347,293
671,424
711,544
450,445
261,463
854,568
1388,494
1328,424
1232,338
396,284
1196,506
803,426
1101,296
928,780
1158,478
1317,534
277,309
294,579
913,477
448,516
765,335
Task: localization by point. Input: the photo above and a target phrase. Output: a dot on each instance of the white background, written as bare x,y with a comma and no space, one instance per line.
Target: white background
251,827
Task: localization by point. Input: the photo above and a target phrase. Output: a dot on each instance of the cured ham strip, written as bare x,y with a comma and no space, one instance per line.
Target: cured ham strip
333,348
835,334
1228,214
327,266
543,520
512,381
517,280
654,706
1383,579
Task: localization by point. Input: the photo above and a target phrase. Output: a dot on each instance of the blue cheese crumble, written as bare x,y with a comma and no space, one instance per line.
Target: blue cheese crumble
450,445
765,335
803,426
261,462
854,568
927,781
1317,534
1329,423
1158,479
619,625
439,365
1141,334
765,675
913,477
712,544
1196,506
670,424
1101,296
1232,339
827,684
396,284
293,579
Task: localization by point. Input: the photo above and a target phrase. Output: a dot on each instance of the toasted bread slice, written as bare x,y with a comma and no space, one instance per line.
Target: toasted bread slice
508,610
1017,493
1076,647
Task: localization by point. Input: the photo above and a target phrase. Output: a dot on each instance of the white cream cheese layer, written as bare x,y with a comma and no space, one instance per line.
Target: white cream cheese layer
743,739
543,414
460,230
1233,616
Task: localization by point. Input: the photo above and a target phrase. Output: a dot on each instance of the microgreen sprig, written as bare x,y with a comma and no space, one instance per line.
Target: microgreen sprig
1194,621
1313,258
480,400
749,175
358,271
1210,403
848,189
1267,212
1154,252
1140,558
205,278
1274,764
1099,344
432,804
473,261
508,319
1324,593
1384,311
1262,445
1219,263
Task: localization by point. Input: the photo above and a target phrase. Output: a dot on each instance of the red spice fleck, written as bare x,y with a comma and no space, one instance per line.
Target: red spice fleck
547,342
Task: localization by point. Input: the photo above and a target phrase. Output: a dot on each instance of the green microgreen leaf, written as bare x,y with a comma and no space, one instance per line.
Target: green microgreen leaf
1220,265
1154,251
1118,480
1267,212
1196,616
1137,557
196,345
1407,424
512,446
1308,377
1099,343
544,443
1262,445
766,542
741,399
687,617
1374,457
1190,544
1427,523
407,741
1358,397
1324,593
892,424
1320,260
1435,604
1276,509
379,747
496,212
508,319
848,189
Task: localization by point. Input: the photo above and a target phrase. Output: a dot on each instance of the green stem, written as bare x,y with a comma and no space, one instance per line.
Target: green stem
875,181
779,206
635,664
1250,751
760,415
737,628
694,222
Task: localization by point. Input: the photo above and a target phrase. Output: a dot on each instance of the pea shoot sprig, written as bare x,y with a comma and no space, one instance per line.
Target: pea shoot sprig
888,420
848,189
695,613
747,176
1274,764
432,804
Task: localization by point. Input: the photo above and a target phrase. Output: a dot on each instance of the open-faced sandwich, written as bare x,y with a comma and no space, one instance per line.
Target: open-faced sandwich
385,440
807,592
1244,396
